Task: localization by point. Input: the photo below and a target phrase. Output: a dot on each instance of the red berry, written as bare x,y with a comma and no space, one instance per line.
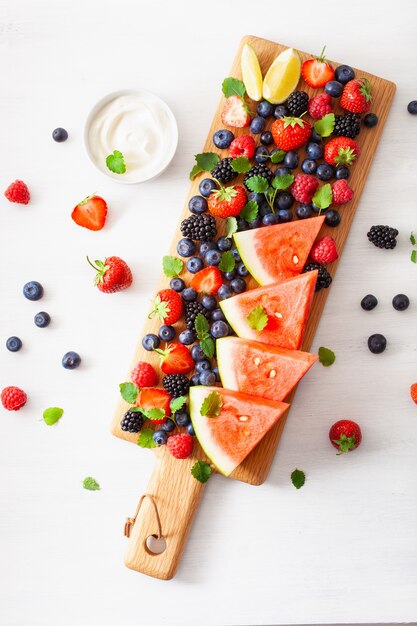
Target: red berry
413,392
324,251
303,188
180,445
341,151
356,96
319,106
341,191
112,275
91,213
168,306
235,113
290,133
345,435
144,375
317,71
227,201
176,359
242,146
13,398
208,280
151,398
18,192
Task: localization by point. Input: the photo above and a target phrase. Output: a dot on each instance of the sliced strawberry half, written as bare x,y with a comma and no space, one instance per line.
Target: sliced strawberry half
91,213
208,280
317,72
176,359
151,398
235,113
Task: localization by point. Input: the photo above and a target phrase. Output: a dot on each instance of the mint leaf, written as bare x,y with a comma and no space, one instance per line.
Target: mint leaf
298,478
145,439
91,484
196,170
172,266
325,126
154,414
326,356
207,346
414,256
413,238
259,184
241,165
129,392
201,471
257,318
52,415
249,212
227,262
177,404
233,87
323,196
282,182
231,227
205,161
201,326
212,405
116,163
278,156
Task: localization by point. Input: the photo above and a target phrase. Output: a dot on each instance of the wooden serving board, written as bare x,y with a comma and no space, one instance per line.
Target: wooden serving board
175,492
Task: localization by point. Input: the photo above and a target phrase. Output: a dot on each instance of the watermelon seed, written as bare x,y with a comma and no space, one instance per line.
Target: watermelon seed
272,374
243,418
295,259
257,361
278,315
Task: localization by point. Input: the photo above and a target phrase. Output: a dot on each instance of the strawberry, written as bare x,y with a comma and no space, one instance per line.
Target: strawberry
319,106
227,201
345,435
341,151
304,187
208,280
341,191
13,398
356,96
317,72
18,192
244,145
180,445
290,133
154,399
176,359
112,275
324,251
144,375
168,306
235,113
413,392
90,213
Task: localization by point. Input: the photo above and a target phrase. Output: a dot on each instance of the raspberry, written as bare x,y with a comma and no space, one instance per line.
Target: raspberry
13,398
324,251
413,392
341,191
319,106
144,375
180,445
18,192
242,146
303,188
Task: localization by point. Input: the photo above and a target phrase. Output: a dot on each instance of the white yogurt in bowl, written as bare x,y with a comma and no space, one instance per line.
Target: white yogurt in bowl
139,125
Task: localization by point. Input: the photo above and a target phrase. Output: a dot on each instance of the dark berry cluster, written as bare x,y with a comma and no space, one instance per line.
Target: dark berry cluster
258,170
383,236
132,421
223,171
199,227
192,309
176,384
297,103
347,125
323,279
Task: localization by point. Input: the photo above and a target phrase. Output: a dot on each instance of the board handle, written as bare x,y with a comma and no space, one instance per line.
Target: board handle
172,495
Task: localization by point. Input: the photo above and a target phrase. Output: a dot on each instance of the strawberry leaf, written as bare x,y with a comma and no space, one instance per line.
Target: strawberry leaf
326,356
91,484
283,182
201,471
323,196
257,318
231,227
172,266
413,239
145,439
129,392
259,184
233,87
241,165
325,126
227,262
212,405
298,478
52,415
115,162
414,256
249,213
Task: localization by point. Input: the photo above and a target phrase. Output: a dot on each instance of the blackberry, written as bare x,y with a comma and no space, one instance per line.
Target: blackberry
347,125
176,384
132,421
192,309
383,236
297,103
223,171
323,279
199,227
258,170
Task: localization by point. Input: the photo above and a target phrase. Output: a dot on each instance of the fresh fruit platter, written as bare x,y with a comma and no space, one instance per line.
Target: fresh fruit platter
273,195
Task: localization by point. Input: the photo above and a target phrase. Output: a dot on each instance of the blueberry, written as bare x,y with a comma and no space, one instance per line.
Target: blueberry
369,302
205,246
223,138
13,344
181,417
242,270
208,378
400,302
150,341
229,275
224,292
284,200
202,366
412,107
160,437
220,329
256,222
42,319
197,352
197,205
264,108
325,171
186,247
195,379
189,294
71,360
333,88
370,120
285,215
315,137
194,264
59,135
261,154
266,138
280,111
344,73
332,218
264,208
209,302
33,290
342,171
309,166
270,219
206,186
177,284
282,170
236,254
291,160
242,224
166,333
187,337
304,211
213,257
190,430
238,285
217,314
215,371
377,343
253,196
257,125
224,244
314,151
168,426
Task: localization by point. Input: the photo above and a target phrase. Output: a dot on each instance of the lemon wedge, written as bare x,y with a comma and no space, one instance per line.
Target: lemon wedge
282,77
251,72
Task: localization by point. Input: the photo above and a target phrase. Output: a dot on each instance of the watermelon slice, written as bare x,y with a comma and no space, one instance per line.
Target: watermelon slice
260,370
286,304
243,421
275,253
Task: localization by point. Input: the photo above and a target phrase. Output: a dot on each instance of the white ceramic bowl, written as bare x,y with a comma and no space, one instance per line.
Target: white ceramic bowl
167,140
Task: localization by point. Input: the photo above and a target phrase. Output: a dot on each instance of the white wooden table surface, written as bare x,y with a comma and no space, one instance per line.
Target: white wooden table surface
342,549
